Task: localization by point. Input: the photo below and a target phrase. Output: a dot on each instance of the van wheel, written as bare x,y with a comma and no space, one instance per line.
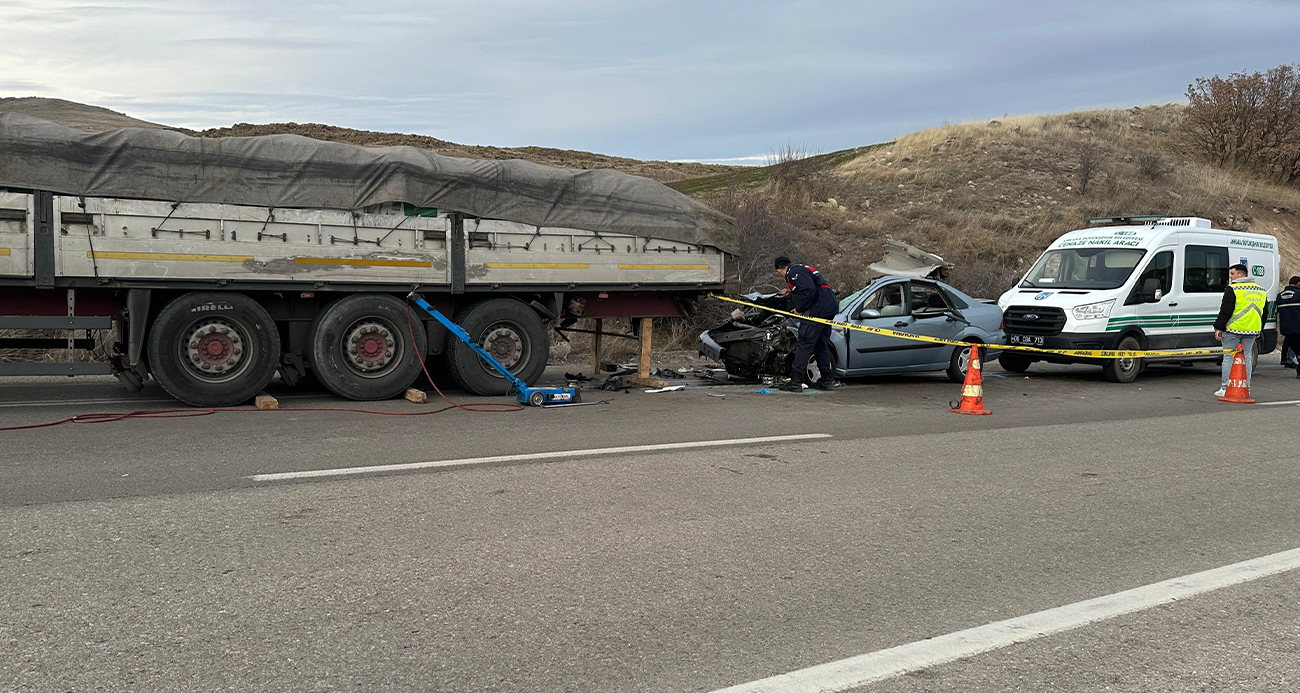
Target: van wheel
213,349
511,332
960,360
361,348
1015,363
1123,370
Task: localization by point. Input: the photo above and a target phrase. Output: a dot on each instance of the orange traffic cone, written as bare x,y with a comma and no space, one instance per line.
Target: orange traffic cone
1238,391
972,391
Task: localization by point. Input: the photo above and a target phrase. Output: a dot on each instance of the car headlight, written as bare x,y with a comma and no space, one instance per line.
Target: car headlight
1093,311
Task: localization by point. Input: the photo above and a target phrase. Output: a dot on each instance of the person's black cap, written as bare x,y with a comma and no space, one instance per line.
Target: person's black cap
781,261
1294,280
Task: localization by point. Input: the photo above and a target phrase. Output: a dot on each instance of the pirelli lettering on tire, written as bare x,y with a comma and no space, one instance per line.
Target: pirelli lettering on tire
1076,353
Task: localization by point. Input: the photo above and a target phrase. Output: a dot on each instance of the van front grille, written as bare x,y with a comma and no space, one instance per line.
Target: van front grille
1033,320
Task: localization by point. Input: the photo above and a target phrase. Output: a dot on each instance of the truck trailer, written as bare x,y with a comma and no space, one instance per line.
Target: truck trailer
217,263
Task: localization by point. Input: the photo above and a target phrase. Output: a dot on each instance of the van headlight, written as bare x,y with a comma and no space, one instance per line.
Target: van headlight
1093,311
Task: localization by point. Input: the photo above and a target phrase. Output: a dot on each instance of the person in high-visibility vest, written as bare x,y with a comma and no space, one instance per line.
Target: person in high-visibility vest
1240,321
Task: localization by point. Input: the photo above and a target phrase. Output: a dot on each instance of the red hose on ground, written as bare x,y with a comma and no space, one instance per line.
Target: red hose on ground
482,408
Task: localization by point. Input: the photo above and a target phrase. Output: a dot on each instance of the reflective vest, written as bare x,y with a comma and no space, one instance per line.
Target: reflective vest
1248,314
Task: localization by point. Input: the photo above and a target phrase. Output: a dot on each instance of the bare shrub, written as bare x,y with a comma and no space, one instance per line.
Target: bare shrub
788,163
1154,166
1248,120
1087,159
764,232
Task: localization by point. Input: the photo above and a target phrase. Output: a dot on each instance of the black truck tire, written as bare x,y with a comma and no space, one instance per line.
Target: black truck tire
509,330
361,348
213,348
1014,363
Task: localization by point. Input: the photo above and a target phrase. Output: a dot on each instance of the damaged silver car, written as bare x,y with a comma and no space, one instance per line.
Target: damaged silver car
756,342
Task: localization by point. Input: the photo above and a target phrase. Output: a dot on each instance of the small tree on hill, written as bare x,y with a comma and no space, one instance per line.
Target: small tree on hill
1088,157
1248,120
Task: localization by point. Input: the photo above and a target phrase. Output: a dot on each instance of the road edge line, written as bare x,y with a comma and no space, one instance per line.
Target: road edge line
884,664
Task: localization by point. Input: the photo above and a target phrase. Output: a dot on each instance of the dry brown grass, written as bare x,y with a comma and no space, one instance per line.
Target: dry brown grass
989,196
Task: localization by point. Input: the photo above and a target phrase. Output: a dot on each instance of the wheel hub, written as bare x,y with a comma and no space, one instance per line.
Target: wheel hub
369,346
215,347
505,345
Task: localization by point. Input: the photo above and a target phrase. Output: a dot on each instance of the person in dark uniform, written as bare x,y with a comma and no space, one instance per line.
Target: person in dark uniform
814,298
1288,323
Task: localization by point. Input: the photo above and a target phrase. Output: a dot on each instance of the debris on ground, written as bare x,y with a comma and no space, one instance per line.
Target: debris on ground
670,388
614,383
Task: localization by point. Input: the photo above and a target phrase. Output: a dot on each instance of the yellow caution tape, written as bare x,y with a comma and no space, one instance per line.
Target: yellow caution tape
1077,353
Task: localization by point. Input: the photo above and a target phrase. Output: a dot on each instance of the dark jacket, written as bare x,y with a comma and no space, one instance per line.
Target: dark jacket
1288,310
813,296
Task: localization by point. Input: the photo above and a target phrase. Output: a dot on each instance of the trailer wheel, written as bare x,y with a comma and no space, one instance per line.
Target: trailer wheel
509,330
213,349
360,347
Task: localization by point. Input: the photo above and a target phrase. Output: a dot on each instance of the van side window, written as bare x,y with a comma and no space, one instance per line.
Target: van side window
1161,267
1206,270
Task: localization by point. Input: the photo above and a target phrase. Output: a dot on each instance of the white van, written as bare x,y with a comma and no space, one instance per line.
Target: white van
1134,283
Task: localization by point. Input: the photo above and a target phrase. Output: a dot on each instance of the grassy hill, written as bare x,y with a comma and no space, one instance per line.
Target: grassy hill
96,119
990,196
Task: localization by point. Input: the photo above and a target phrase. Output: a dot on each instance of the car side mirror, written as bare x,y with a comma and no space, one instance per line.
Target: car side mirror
868,313
1151,292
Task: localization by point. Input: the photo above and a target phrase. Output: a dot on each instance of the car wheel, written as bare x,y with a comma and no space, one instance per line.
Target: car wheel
509,330
361,348
1123,370
960,360
213,349
1016,363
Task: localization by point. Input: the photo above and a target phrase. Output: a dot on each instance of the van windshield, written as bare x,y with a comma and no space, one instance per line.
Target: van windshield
1083,268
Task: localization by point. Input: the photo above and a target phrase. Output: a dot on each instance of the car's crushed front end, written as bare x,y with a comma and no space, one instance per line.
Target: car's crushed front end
754,342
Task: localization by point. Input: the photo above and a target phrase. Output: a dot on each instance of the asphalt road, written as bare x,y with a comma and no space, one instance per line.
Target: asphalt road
140,555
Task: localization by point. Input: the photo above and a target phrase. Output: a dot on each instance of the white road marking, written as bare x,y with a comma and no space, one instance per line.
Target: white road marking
896,661
1274,404
562,454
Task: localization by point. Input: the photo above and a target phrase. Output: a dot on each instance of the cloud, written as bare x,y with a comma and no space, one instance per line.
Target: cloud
663,79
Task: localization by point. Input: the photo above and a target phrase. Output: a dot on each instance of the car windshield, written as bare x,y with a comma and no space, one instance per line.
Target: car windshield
846,302
1083,268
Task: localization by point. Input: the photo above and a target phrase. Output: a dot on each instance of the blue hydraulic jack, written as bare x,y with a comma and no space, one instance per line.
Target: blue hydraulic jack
536,396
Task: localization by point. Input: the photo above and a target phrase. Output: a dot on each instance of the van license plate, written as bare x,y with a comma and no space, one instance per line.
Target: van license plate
1025,340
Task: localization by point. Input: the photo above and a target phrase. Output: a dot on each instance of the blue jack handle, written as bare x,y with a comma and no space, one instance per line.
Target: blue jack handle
463,336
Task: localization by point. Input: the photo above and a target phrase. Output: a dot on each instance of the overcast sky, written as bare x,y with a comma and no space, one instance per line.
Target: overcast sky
652,79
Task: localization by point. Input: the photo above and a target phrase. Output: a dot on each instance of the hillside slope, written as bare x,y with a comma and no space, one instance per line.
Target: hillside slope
990,196
95,119
78,116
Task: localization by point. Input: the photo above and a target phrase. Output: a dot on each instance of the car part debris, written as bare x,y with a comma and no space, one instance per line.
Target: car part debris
575,404
614,383
576,377
670,388
904,260
719,395
666,373
760,343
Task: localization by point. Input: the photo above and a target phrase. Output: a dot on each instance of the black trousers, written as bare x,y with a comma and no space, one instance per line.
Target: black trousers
1292,342
814,340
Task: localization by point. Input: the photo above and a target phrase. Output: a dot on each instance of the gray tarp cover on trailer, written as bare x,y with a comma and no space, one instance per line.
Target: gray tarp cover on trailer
298,172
